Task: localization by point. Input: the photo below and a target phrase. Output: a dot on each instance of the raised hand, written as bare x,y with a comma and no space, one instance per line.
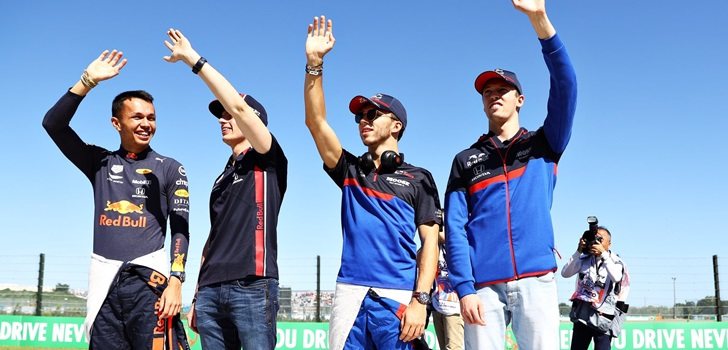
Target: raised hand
530,7
320,40
106,66
180,47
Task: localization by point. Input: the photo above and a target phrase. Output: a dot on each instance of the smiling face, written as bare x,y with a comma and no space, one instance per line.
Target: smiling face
231,134
136,123
501,100
376,131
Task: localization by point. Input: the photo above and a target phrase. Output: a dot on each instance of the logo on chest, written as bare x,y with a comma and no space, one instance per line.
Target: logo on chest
397,182
524,154
475,159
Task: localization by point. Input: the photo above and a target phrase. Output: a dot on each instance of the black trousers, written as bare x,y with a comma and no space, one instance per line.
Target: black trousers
584,334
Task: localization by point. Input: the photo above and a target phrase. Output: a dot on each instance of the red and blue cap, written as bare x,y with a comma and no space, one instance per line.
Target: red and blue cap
216,108
382,102
497,73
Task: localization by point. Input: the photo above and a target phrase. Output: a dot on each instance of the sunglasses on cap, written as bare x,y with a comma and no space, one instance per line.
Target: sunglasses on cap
370,115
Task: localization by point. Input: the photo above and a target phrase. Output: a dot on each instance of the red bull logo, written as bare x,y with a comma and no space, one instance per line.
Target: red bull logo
123,207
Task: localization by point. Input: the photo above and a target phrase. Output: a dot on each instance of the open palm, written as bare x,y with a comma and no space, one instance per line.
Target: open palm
320,39
106,66
180,47
530,6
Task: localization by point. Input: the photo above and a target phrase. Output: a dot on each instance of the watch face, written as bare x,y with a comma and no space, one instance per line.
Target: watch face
423,298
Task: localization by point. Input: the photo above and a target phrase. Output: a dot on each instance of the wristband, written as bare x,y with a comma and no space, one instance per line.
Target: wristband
315,70
87,81
178,274
201,62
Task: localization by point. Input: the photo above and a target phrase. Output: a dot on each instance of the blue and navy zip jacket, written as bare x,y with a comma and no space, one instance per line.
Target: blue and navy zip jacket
499,194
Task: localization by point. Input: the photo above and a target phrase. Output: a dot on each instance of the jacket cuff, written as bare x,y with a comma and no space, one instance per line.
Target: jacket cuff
464,289
551,44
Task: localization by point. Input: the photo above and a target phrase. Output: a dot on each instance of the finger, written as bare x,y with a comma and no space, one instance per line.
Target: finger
481,315
110,56
169,45
406,333
115,59
179,34
315,26
166,310
469,317
330,28
121,65
322,26
310,30
101,56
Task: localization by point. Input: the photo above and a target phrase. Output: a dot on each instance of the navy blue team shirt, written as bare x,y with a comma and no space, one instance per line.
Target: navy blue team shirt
380,213
244,205
135,194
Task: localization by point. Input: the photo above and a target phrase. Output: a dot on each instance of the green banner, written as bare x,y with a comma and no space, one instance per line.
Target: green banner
67,333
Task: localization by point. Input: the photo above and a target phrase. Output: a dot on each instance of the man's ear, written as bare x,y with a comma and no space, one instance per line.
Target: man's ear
396,126
115,123
520,100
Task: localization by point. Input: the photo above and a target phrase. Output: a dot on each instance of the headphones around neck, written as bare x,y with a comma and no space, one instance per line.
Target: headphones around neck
389,161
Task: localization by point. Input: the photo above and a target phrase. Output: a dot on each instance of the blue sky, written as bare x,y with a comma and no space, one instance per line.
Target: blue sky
642,157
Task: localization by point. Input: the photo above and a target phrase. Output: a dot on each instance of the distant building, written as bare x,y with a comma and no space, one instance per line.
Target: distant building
284,302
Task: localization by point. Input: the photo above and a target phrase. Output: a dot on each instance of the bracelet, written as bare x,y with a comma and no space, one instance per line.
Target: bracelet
87,81
201,62
315,70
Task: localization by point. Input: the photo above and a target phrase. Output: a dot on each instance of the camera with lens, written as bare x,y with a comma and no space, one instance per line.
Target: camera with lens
590,235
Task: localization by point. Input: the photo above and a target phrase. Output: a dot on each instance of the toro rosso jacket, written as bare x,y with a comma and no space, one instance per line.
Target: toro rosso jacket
499,194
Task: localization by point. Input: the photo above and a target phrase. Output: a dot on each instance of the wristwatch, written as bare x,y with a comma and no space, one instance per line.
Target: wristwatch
422,297
178,274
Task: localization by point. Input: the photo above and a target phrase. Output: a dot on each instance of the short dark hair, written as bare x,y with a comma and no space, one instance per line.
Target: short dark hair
118,102
605,230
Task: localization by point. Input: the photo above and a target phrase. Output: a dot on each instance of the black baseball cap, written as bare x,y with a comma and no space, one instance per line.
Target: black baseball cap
216,108
382,102
497,73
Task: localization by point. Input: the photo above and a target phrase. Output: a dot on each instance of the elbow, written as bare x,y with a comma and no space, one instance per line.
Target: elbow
48,125
312,124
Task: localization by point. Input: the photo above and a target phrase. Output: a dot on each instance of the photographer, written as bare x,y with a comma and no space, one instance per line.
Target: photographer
597,311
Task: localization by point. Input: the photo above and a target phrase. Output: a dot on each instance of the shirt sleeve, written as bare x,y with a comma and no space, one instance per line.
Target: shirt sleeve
339,172
562,94
572,266
427,207
458,249
614,268
57,124
178,204
276,159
